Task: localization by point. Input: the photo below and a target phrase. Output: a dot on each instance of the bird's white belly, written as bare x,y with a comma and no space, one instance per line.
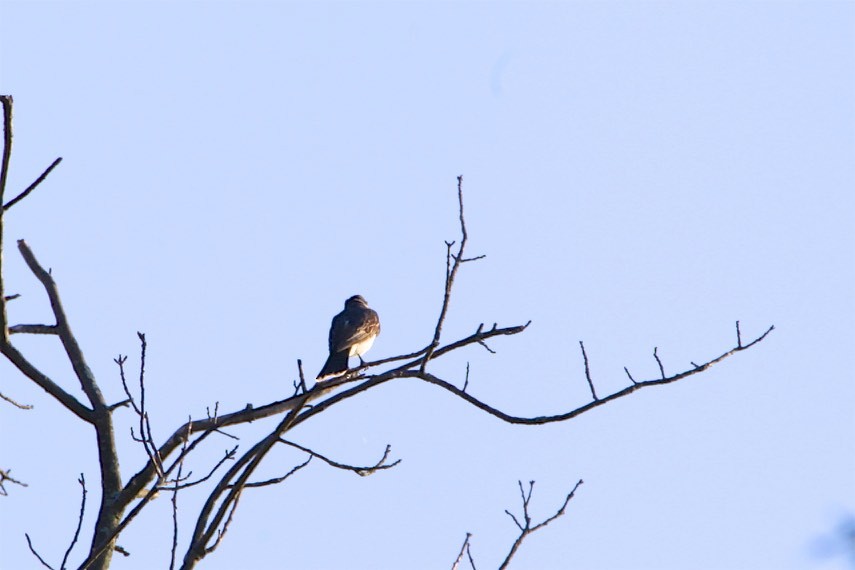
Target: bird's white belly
361,348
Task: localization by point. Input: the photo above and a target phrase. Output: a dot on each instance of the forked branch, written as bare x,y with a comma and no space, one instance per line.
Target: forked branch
526,527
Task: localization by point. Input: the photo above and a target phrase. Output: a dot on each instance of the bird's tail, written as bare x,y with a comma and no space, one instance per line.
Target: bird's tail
335,365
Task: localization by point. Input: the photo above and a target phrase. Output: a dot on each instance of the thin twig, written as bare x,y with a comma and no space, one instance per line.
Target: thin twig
450,274
148,445
4,477
221,532
145,424
32,186
175,489
82,482
33,550
302,376
631,379
361,471
462,551
588,371
230,454
527,529
659,362
16,404
277,480
469,555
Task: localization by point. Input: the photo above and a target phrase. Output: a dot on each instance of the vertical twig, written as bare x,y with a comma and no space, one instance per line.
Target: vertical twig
82,482
450,274
659,362
588,371
175,500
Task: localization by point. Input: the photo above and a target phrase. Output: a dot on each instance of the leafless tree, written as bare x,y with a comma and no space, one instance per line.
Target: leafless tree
122,499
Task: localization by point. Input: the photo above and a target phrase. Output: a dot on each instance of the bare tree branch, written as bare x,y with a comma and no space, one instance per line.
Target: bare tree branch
526,529
33,329
659,362
36,554
210,520
582,409
82,482
277,480
32,186
361,471
588,370
464,549
145,437
177,485
14,403
175,490
450,273
219,509
59,394
4,477
6,102
100,416
138,482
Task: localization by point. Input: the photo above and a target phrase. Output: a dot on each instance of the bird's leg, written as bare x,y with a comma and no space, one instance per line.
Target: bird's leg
361,362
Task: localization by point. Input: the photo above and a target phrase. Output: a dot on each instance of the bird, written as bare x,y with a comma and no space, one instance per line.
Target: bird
352,333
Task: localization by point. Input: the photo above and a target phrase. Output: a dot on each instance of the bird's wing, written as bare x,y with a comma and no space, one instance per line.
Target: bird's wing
352,327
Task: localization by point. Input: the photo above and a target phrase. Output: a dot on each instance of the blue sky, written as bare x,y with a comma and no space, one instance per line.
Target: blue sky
638,174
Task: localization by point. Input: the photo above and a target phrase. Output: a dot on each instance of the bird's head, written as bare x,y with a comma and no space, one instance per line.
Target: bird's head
356,300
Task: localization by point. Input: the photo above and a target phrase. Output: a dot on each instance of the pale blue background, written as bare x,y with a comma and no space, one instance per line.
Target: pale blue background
638,174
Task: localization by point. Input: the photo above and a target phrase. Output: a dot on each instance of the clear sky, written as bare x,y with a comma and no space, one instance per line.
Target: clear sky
638,174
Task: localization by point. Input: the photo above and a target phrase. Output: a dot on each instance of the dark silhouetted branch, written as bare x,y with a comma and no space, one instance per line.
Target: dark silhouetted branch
32,186
177,485
82,482
582,409
222,502
361,471
527,528
451,269
659,362
277,480
588,370
36,554
175,490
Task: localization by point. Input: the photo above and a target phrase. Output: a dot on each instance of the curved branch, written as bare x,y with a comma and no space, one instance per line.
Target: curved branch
427,377
361,471
249,414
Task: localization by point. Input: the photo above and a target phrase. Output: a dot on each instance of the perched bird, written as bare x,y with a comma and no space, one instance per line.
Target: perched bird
351,334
